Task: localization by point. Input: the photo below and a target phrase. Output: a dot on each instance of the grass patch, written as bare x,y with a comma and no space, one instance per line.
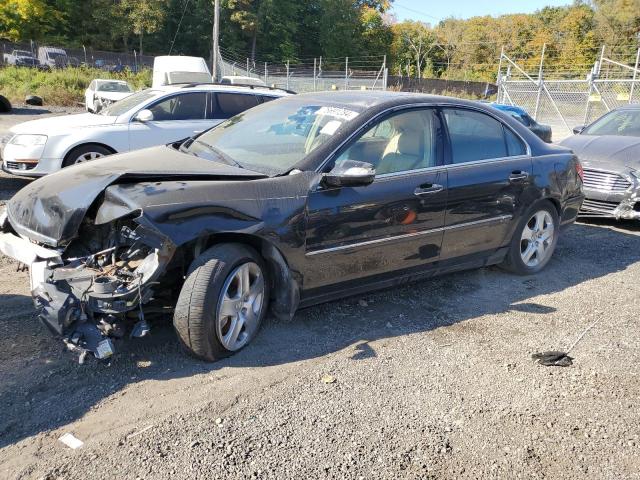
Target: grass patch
64,87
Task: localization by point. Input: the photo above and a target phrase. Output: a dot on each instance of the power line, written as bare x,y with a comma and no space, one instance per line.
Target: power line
184,10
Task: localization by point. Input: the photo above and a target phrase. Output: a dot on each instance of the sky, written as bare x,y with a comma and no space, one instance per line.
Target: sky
432,11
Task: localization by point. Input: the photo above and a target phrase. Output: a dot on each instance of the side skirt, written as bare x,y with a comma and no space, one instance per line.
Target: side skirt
381,282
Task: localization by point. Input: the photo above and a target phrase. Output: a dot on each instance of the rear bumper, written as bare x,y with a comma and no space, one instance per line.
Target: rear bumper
570,210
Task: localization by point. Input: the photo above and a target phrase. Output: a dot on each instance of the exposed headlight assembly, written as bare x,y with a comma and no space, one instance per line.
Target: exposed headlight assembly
27,140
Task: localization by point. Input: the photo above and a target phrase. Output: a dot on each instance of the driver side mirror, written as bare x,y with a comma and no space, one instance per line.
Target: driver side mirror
144,116
350,173
578,130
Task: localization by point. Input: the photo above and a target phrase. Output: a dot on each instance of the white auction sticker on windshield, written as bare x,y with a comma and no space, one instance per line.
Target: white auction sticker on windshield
338,112
331,127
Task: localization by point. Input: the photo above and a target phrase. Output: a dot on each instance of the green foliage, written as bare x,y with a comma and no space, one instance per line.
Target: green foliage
60,87
281,30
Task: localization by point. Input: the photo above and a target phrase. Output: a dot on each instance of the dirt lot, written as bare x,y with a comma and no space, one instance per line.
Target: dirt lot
432,380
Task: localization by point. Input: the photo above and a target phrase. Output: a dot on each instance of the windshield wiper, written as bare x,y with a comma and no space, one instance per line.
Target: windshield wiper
219,153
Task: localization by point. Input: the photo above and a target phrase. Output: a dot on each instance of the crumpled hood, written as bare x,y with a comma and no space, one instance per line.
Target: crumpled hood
51,209
63,123
608,152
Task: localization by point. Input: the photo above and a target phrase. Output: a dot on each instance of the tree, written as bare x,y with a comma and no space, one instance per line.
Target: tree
413,42
143,16
22,20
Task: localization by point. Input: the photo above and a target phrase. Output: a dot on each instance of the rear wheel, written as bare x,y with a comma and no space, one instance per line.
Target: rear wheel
534,241
85,153
223,301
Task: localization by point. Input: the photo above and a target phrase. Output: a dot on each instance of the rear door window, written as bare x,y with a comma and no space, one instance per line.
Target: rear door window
231,104
474,136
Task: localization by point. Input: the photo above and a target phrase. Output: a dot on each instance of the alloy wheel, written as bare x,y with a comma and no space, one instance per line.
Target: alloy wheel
537,239
87,156
240,306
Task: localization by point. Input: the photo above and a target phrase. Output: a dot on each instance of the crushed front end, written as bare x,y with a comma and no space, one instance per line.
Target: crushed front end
611,194
92,291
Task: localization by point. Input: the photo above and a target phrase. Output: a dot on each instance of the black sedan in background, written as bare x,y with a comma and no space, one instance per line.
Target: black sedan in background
609,150
298,201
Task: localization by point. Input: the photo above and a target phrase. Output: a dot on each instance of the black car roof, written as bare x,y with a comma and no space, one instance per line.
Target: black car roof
631,106
365,99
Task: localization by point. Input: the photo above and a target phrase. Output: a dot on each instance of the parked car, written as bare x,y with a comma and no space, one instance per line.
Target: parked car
51,57
151,117
238,80
373,189
102,93
543,131
21,58
609,150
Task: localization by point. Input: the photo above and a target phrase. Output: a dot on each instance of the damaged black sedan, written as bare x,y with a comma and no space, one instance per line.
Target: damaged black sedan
298,201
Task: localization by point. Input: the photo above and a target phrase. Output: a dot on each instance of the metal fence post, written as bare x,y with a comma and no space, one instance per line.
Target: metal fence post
287,74
265,73
346,73
248,68
499,76
314,74
635,76
540,87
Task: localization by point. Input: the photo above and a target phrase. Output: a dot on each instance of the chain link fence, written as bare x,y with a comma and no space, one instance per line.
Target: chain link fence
77,57
312,75
566,103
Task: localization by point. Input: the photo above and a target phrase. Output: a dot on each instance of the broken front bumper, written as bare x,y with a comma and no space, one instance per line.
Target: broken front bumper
611,194
83,302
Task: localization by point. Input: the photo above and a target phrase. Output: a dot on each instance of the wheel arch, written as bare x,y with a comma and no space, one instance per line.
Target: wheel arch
84,144
285,291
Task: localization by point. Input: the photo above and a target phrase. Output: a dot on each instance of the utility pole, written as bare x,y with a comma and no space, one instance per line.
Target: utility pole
216,35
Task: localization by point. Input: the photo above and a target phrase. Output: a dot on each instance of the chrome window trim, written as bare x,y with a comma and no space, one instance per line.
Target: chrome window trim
456,166
369,124
499,219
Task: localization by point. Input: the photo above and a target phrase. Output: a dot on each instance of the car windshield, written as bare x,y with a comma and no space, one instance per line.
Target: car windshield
23,53
127,103
114,87
622,122
275,136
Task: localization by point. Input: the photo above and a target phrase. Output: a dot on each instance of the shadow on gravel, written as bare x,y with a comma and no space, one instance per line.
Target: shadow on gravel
29,111
53,391
9,185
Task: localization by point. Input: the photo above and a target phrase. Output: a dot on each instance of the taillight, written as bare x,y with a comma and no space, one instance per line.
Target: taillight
580,170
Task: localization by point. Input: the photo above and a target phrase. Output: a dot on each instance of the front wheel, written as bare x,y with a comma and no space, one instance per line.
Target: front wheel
534,241
85,153
222,302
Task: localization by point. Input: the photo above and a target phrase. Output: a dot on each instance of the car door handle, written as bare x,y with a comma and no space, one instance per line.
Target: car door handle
428,188
518,176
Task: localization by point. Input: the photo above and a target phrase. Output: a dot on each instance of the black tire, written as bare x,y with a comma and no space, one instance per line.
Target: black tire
33,100
85,149
514,262
196,315
5,105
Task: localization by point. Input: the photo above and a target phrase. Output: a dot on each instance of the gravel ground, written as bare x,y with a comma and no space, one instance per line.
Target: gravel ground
431,380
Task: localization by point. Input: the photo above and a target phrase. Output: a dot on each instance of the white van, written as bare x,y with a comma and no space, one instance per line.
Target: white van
171,70
53,57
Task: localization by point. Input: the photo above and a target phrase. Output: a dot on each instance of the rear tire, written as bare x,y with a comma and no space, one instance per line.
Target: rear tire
222,302
534,241
85,153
